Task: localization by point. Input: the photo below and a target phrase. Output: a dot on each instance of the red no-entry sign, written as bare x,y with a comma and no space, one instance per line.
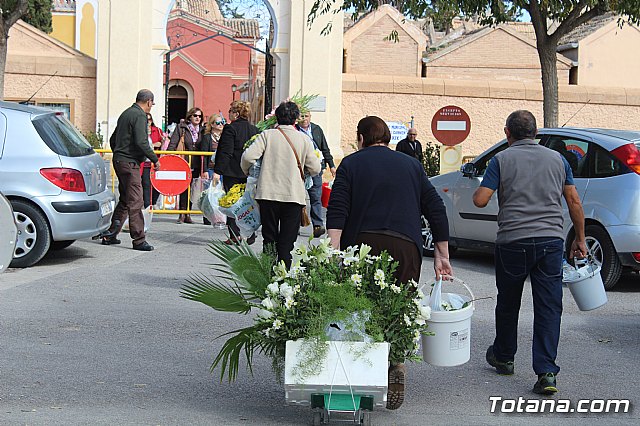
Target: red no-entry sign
451,125
174,176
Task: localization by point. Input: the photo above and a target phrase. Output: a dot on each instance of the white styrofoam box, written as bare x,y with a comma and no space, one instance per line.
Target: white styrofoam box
364,366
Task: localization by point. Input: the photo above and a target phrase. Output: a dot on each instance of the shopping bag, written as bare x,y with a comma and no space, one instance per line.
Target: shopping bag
209,204
148,218
198,185
245,211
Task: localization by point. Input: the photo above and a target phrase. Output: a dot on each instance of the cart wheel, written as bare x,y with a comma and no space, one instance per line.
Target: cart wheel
366,418
317,418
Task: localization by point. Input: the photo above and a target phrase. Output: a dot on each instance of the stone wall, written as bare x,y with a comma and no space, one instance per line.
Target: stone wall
370,53
488,103
79,92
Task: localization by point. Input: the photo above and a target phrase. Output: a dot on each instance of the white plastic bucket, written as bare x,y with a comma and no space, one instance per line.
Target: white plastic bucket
451,343
588,291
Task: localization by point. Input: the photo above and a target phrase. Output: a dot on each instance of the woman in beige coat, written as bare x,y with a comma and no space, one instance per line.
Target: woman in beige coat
281,194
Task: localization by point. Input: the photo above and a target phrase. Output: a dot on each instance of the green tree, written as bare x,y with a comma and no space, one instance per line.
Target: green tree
10,12
551,19
39,15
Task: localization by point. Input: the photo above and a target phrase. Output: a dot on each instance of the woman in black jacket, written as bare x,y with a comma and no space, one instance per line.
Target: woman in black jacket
230,149
191,129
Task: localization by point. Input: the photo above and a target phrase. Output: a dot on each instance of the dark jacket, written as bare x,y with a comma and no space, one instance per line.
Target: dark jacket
231,146
378,189
322,145
209,144
130,141
189,145
404,146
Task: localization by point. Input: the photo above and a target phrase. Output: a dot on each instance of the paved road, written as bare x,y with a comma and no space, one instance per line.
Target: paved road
98,335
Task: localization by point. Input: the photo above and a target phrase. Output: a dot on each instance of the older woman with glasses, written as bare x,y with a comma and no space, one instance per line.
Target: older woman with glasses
229,153
190,133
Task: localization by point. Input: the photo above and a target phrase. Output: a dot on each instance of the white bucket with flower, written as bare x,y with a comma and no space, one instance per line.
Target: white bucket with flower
448,342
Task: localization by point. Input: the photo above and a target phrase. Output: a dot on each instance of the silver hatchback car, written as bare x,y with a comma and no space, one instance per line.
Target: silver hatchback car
55,181
606,168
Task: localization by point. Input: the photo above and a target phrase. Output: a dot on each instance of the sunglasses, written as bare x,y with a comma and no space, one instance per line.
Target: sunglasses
197,115
217,123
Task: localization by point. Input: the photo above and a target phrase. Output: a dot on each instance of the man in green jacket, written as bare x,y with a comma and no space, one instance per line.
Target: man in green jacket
130,146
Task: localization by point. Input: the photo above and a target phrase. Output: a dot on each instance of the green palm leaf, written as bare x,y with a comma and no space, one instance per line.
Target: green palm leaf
229,356
214,294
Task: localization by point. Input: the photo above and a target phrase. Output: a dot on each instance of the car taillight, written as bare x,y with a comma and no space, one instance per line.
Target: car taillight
629,156
67,179
636,256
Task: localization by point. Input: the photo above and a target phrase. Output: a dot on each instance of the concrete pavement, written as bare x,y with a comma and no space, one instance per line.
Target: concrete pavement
98,335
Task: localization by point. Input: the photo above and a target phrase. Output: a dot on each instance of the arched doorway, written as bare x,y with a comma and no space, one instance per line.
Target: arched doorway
178,103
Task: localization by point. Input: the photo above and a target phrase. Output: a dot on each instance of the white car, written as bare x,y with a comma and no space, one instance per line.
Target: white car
606,169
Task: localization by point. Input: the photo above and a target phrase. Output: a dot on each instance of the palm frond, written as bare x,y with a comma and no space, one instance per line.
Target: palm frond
215,294
229,356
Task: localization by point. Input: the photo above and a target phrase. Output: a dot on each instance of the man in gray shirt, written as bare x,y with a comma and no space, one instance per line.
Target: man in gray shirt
531,181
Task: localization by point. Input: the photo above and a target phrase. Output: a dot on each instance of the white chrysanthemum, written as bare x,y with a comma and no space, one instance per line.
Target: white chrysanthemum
269,303
395,288
416,336
420,321
413,283
296,289
276,324
356,279
273,288
286,290
379,275
295,271
424,312
407,320
264,314
289,302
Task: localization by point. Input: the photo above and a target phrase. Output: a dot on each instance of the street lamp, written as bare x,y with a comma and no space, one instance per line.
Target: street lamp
234,88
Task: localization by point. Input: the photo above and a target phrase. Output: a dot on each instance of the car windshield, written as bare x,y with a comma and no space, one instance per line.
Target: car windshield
60,136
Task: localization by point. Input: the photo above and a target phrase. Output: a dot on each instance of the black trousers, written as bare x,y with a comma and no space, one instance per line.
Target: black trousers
280,226
227,183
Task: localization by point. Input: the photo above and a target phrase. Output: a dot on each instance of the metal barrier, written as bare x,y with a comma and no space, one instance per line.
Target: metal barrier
189,154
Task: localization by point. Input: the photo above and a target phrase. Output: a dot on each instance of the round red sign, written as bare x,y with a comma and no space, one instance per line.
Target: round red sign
451,125
174,176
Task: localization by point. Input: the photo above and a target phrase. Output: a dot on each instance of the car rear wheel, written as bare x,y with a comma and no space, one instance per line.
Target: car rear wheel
34,235
604,253
59,245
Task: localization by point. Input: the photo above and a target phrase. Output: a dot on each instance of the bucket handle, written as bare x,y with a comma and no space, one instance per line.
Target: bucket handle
452,278
588,260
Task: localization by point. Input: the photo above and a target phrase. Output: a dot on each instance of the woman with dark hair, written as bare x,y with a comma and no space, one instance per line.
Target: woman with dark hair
286,155
149,194
227,160
377,199
190,131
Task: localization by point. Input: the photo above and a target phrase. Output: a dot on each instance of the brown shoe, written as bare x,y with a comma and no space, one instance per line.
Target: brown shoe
180,219
232,241
395,392
187,218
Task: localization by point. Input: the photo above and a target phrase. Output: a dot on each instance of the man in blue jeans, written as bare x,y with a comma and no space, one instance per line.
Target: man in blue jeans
531,181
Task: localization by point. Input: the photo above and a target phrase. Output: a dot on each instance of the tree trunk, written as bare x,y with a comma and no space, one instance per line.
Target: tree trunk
3,63
548,65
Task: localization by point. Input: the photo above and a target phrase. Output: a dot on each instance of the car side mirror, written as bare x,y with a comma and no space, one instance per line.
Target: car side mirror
468,169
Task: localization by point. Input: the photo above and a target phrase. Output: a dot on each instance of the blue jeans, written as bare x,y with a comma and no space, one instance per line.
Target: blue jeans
540,258
315,194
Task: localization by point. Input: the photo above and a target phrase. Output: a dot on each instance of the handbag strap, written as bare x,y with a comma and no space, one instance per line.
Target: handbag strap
294,152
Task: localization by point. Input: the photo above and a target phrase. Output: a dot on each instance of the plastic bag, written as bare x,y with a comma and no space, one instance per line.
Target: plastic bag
148,218
209,204
438,303
350,330
198,186
245,211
